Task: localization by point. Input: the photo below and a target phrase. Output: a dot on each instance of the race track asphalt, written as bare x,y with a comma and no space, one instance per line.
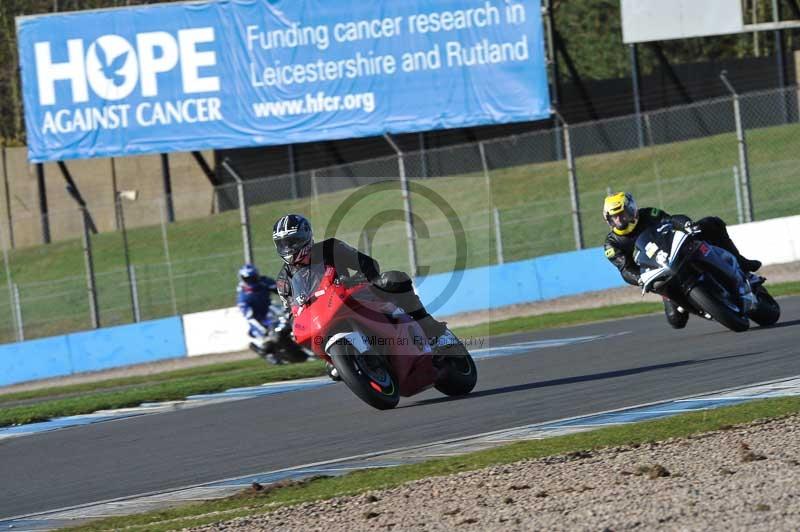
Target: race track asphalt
156,452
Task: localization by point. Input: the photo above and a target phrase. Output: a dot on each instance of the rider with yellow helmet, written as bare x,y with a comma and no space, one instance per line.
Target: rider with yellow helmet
627,222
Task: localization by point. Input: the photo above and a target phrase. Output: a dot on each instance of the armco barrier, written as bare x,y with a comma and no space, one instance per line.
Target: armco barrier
92,350
215,331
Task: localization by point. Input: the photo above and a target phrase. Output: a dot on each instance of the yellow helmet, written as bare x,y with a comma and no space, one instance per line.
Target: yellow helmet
620,212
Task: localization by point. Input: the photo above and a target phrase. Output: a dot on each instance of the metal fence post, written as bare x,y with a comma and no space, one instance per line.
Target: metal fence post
121,225
314,191
43,210
422,158
577,228
637,102
17,306
165,239
7,195
744,166
406,193
314,194
365,242
498,236
9,282
244,215
485,165
137,312
91,286
167,181
292,170
737,189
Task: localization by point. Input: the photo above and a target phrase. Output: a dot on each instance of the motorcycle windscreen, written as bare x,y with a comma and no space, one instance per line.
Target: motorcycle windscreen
305,282
653,244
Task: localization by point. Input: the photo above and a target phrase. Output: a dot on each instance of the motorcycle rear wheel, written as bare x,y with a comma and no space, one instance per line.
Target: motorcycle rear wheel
459,372
724,315
767,312
367,375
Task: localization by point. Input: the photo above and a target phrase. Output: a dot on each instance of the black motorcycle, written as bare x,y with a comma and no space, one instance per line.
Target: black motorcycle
701,278
279,347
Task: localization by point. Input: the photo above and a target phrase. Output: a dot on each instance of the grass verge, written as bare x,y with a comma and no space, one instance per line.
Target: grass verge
252,502
175,385
132,391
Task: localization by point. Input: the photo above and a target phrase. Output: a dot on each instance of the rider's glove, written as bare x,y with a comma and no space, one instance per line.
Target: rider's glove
691,228
640,282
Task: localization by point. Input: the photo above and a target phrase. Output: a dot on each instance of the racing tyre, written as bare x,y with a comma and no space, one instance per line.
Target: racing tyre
367,375
768,312
719,310
459,373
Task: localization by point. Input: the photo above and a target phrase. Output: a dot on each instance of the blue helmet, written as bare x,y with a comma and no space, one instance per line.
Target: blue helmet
249,274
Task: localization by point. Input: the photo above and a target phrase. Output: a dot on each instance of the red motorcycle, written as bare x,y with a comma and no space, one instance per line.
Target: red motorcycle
379,351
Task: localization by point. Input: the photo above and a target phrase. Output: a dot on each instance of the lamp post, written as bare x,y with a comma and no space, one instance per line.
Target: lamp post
129,195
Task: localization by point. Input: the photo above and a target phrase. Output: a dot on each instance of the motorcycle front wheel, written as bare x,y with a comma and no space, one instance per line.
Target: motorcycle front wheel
459,373
367,375
719,310
767,312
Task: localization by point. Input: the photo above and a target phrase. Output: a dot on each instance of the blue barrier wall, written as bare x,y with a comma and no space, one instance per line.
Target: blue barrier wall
92,350
34,359
525,281
444,294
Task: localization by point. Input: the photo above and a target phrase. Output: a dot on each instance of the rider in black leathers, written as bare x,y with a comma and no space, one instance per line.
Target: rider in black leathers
627,222
295,244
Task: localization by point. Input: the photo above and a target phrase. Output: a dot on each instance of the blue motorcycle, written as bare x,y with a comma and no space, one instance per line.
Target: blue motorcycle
703,279
278,345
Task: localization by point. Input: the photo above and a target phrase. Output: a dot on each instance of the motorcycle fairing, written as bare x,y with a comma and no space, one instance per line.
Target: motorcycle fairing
329,309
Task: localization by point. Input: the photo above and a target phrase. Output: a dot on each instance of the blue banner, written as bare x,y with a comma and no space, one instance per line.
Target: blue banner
224,74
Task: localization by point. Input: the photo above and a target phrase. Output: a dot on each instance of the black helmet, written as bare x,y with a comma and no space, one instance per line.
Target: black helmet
293,238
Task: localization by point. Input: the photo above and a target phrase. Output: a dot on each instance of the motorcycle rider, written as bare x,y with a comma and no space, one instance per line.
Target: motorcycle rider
253,300
294,242
627,222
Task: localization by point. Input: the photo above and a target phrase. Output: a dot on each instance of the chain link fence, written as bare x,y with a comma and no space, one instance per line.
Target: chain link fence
473,205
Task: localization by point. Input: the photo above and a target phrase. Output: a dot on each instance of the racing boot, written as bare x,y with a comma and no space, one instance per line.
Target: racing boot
717,233
749,265
676,315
